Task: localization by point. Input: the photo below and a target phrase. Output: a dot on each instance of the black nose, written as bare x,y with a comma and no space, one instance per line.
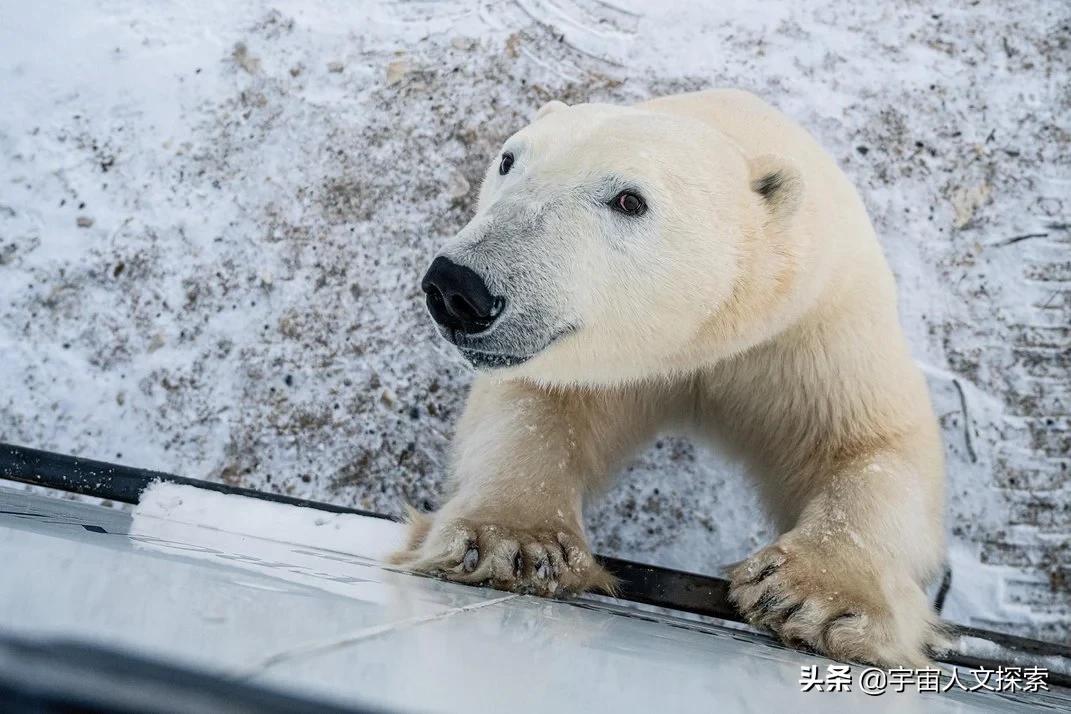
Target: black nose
458,298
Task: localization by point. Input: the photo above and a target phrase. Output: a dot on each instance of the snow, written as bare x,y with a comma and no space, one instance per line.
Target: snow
213,219
977,647
373,538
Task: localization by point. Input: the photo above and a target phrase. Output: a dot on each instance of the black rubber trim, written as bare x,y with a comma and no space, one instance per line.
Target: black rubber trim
56,676
640,583
122,483
672,589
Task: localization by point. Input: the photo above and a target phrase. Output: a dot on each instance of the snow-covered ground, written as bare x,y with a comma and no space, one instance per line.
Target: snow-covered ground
214,217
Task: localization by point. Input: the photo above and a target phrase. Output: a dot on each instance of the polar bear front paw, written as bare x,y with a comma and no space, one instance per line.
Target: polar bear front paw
835,605
530,561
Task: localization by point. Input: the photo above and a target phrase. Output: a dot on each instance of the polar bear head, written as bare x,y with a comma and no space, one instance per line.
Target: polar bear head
609,243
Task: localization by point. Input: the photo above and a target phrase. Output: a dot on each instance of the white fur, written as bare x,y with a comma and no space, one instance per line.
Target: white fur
768,322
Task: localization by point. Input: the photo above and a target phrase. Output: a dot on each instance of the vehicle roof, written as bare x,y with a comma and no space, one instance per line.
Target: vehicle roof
341,627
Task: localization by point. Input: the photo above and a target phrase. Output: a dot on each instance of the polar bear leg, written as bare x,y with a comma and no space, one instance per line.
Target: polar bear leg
524,458
846,579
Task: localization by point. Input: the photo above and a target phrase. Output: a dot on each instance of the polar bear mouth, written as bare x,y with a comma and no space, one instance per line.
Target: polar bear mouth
491,360
492,357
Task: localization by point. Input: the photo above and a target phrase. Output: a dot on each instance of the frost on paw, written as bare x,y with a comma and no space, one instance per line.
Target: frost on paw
835,606
530,561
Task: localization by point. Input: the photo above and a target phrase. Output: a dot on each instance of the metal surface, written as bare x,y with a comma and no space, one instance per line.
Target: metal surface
641,583
63,676
343,629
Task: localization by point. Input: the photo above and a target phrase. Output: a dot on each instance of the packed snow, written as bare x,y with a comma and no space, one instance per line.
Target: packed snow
214,217
374,538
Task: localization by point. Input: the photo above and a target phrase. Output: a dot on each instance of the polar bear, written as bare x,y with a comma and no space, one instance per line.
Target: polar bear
693,260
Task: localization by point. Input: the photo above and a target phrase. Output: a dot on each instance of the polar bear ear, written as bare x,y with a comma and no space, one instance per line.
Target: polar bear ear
778,183
551,106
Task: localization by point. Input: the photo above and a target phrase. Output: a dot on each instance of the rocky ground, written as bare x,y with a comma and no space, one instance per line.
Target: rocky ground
213,220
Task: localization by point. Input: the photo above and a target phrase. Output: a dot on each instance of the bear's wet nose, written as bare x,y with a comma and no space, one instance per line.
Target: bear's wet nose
458,298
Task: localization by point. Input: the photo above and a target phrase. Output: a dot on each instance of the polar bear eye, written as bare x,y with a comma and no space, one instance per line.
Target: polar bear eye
629,203
506,164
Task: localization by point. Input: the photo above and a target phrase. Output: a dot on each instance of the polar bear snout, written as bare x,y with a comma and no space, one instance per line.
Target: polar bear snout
491,330
458,298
